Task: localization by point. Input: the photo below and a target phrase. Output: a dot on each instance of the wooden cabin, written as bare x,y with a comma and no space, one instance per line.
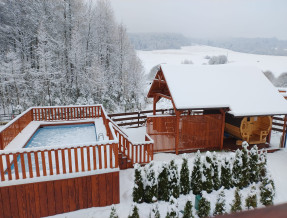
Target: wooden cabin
208,101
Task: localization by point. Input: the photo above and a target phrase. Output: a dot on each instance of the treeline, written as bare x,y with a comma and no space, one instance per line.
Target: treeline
264,46
280,81
158,41
61,52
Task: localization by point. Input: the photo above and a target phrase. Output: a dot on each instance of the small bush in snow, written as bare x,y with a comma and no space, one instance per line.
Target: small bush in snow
226,177
134,212
186,61
220,59
251,200
267,191
196,175
163,192
150,191
113,213
187,213
155,212
207,57
262,165
184,177
245,166
172,211
203,207
254,164
220,204
173,180
207,173
236,203
138,190
215,171
237,168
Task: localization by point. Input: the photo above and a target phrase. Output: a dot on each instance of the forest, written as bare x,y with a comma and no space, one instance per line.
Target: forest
63,52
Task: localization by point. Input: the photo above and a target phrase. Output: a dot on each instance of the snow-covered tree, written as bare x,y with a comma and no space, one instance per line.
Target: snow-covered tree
236,203
138,189
254,164
226,173
207,173
113,213
196,175
220,59
237,168
163,192
187,212
173,180
267,191
134,213
172,210
150,189
215,171
220,207
251,199
184,177
245,166
155,211
203,208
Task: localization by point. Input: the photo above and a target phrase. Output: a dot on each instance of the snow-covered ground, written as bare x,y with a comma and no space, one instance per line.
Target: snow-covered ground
275,161
276,64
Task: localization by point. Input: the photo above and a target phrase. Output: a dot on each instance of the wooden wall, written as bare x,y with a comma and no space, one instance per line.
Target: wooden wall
195,132
59,196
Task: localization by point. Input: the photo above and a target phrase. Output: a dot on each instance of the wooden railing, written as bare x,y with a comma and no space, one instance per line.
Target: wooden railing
136,152
66,113
49,161
134,118
279,124
14,127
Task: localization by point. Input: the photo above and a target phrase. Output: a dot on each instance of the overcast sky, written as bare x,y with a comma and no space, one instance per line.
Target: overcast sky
205,18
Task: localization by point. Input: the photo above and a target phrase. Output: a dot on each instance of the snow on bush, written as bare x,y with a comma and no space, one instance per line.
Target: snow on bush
203,208
251,200
172,210
150,185
220,59
220,207
173,180
188,212
196,175
138,190
236,205
134,213
113,213
186,61
207,184
267,191
163,192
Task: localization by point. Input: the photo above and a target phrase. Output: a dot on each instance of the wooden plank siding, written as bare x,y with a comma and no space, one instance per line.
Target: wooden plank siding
60,196
195,132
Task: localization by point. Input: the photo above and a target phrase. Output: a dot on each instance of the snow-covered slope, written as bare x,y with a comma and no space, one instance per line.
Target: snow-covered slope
276,64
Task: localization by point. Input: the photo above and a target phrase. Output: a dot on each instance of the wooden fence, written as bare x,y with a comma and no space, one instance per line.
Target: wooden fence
134,118
49,161
48,198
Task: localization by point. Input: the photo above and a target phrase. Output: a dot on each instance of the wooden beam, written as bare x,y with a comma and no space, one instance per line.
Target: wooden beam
177,131
283,133
163,96
155,100
222,128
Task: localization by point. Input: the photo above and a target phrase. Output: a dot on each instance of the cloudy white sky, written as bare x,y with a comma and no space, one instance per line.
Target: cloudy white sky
205,18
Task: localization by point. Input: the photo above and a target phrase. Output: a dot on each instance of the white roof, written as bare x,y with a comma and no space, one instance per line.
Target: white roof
243,89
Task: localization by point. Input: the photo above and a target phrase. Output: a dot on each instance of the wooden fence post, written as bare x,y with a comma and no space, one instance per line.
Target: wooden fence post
283,133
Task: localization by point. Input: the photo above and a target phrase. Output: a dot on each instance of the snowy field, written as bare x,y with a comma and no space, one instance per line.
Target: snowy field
274,161
276,64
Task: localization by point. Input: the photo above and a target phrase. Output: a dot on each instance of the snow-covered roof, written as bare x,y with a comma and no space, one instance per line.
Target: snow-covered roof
243,89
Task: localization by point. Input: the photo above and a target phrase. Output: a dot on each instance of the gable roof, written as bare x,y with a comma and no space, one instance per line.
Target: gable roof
244,90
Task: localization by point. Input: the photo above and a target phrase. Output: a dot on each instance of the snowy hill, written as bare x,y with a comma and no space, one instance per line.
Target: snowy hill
276,64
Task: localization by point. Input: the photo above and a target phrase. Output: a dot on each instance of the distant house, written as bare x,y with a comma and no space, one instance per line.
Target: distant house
208,101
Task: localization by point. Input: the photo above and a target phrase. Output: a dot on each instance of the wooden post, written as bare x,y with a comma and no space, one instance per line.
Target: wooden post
283,133
177,131
154,104
222,128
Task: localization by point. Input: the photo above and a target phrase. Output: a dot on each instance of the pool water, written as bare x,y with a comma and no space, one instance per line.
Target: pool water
63,135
